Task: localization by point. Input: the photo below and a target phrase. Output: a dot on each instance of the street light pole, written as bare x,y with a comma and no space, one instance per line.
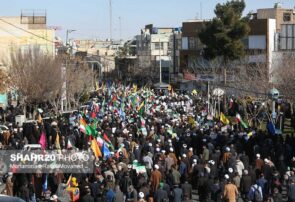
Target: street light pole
67,34
160,62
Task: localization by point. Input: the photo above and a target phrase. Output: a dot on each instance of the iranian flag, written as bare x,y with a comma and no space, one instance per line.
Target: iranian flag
82,126
99,141
240,120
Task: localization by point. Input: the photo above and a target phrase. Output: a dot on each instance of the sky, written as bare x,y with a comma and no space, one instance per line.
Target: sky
90,18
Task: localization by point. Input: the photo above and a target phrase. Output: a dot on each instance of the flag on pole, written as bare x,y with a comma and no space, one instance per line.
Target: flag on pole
106,151
45,184
108,141
250,134
69,181
105,137
95,148
134,88
42,140
99,140
57,141
223,119
82,125
240,120
90,131
96,86
83,122
140,106
69,144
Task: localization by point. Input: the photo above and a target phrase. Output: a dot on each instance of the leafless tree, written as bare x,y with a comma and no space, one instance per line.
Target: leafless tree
39,78
35,75
4,80
251,79
284,76
80,80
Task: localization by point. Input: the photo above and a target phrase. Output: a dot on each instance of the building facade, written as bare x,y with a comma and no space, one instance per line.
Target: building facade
27,30
157,47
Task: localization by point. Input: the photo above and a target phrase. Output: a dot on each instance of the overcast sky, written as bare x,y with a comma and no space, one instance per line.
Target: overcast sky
91,17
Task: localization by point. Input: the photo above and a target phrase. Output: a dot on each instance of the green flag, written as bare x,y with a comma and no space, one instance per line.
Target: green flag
90,131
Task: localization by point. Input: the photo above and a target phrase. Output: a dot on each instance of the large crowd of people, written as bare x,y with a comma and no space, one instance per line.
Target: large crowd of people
183,152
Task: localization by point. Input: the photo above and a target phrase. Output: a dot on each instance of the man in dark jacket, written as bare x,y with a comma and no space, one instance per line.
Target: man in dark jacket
119,196
177,194
161,195
246,183
186,190
88,196
291,191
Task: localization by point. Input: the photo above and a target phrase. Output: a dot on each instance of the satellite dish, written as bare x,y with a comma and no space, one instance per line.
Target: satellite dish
218,92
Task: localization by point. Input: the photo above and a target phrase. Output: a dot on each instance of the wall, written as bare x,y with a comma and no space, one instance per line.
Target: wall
276,13
12,38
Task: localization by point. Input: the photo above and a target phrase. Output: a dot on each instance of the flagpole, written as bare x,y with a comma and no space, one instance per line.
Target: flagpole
208,99
218,100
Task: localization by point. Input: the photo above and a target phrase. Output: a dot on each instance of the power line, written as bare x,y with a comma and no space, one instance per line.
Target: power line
36,35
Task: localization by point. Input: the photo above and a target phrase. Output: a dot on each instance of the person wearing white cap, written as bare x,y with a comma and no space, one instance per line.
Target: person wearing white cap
230,170
230,191
258,162
226,156
141,197
239,166
156,178
9,185
190,153
172,155
54,198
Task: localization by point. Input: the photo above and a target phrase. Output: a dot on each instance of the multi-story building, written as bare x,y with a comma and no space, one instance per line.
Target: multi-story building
100,52
281,35
282,15
27,30
259,47
156,47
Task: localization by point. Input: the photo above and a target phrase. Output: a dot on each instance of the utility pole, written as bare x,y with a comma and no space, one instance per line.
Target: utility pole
160,62
111,25
120,27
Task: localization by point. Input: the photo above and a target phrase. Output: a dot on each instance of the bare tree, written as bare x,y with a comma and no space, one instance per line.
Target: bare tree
4,80
251,79
35,75
284,76
80,79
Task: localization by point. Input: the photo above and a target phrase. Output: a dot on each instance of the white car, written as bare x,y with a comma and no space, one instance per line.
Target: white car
30,147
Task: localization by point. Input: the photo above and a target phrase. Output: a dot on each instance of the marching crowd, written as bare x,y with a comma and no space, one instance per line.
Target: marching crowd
155,147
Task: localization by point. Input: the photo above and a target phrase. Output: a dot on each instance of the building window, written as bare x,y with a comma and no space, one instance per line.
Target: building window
287,17
192,43
159,45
